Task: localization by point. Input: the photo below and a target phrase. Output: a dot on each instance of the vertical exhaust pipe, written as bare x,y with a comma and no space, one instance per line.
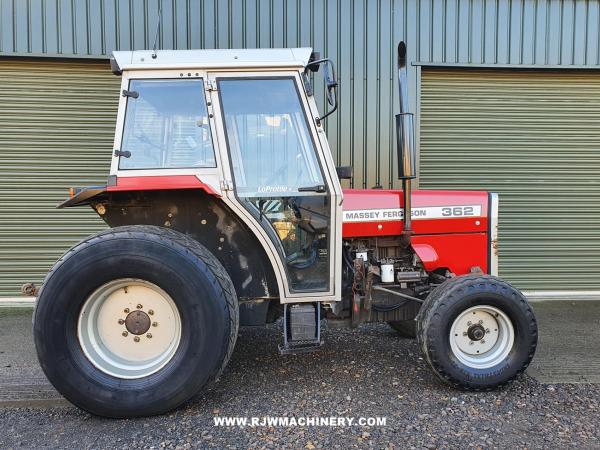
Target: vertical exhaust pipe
405,143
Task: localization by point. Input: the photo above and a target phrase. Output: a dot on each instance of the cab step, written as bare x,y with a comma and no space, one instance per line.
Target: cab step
301,328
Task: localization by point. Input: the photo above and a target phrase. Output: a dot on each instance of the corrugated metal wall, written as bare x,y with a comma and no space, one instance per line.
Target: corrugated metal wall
56,130
533,137
360,35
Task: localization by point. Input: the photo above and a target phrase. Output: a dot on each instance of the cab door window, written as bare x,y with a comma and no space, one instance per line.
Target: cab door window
166,126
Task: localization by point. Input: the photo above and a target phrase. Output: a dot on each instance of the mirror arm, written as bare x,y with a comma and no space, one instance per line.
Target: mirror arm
313,66
331,111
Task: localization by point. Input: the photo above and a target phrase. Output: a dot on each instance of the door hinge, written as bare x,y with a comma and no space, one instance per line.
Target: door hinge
211,85
132,94
226,185
123,153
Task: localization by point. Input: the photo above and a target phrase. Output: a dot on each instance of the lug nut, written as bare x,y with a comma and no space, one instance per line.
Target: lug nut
469,323
136,339
483,341
139,306
480,322
154,324
124,333
121,321
149,335
126,310
487,330
470,342
464,333
150,311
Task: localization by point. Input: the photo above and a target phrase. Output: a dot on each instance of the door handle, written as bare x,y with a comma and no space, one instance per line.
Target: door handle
318,188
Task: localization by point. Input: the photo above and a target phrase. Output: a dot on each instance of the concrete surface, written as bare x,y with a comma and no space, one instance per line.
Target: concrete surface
569,342
22,382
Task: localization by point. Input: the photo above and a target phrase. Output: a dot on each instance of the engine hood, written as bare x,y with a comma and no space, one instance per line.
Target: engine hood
378,212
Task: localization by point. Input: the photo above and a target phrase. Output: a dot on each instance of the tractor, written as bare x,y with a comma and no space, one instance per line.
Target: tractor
225,209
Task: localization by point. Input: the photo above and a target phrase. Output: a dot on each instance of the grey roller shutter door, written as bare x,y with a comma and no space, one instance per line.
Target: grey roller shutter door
56,130
533,137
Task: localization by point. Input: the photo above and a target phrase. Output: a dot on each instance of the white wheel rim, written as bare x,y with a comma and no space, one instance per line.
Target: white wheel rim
115,334
489,350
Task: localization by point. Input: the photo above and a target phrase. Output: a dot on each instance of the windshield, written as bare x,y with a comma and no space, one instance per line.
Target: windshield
166,126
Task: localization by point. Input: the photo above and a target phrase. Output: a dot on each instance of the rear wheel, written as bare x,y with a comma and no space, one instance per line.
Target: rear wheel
405,328
134,321
477,332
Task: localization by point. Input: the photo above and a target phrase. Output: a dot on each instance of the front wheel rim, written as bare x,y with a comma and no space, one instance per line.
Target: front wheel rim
129,328
482,337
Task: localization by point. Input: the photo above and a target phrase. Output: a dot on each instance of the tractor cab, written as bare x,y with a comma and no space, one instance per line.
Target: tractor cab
243,125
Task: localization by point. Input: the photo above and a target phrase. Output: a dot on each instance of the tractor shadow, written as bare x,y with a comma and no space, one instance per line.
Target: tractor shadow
367,367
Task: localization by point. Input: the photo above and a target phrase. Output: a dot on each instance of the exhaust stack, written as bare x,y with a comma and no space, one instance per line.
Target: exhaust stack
405,143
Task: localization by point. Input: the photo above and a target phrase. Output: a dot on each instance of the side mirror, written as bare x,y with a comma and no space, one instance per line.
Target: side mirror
405,146
330,83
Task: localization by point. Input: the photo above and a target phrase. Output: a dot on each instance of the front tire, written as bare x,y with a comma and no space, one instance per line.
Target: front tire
134,321
477,332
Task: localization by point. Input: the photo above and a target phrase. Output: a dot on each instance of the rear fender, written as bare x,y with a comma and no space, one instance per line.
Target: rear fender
207,219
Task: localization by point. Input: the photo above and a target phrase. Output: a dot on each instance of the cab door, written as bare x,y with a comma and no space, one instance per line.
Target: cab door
280,174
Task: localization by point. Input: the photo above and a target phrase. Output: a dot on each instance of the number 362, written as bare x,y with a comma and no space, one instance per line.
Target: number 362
458,211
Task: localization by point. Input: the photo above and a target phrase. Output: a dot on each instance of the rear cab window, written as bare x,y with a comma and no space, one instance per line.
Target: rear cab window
166,126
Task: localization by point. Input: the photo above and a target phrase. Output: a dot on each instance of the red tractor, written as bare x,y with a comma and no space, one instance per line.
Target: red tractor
225,209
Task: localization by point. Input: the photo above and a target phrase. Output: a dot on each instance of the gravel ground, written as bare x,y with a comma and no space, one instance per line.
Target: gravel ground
366,373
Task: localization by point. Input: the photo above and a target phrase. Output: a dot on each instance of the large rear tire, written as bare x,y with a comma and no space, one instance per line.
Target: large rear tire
134,321
477,332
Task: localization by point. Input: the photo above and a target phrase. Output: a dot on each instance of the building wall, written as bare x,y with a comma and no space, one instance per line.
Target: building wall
359,35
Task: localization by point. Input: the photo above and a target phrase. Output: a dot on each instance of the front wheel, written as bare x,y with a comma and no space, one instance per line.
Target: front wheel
134,321
477,332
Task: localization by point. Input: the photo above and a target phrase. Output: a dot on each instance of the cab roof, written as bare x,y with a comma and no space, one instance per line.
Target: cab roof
211,59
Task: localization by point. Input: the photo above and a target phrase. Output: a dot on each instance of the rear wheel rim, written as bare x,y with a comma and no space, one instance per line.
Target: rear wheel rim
482,337
129,328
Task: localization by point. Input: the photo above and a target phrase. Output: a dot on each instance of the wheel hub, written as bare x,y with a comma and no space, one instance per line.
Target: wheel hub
481,336
129,328
137,322
476,332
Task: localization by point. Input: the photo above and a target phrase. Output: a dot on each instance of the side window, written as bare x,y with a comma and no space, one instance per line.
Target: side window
166,126
271,148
